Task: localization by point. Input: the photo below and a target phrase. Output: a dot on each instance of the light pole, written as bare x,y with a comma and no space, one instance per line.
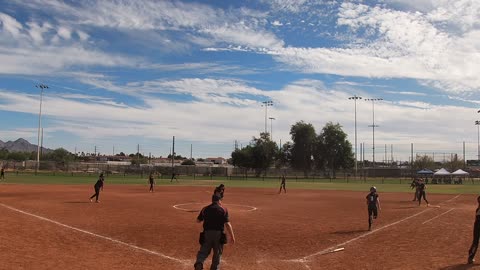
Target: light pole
477,123
41,86
373,129
355,97
271,127
266,104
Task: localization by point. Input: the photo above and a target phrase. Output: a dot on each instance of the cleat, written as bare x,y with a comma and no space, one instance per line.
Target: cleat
91,200
470,261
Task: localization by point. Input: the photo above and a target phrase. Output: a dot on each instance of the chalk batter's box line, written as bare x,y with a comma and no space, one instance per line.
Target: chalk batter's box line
182,261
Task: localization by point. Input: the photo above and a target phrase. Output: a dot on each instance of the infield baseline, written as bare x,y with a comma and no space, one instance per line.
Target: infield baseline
305,259
185,262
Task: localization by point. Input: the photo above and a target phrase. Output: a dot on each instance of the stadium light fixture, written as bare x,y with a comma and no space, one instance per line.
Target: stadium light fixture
355,97
271,127
266,104
373,129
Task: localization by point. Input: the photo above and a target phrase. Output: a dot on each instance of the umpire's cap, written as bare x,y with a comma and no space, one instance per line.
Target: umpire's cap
216,198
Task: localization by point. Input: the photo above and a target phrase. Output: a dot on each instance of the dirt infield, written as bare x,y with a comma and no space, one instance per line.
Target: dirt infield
55,226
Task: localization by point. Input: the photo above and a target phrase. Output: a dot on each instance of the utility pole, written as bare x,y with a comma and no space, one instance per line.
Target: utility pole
41,86
138,155
191,151
41,145
173,152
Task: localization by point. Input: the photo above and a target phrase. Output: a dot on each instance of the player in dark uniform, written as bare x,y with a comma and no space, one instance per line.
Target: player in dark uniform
174,176
215,218
421,192
2,174
373,204
219,191
476,234
151,181
282,185
414,185
98,185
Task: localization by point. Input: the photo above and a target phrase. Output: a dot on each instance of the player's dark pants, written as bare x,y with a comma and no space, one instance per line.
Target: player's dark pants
212,241
476,236
415,197
420,195
372,213
97,193
151,186
282,186
174,176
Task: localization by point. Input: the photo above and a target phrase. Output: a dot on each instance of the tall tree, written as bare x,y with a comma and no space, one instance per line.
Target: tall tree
423,162
284,155
303,137
258,155
333,150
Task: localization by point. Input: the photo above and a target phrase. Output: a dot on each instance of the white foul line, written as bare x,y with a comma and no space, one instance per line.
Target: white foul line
437,216
327,250
98,235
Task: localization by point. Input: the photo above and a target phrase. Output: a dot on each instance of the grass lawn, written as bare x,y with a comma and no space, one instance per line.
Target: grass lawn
383,185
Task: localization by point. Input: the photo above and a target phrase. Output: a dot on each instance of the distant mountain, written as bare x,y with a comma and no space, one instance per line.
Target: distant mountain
21,145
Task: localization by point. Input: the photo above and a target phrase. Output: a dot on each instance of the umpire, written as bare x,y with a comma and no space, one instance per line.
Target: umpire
214,217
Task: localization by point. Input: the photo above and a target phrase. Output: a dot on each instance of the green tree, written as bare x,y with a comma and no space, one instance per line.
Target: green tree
303,137
188,162
18,156
258,155
284,155
333,150
454,164
264,151
423,162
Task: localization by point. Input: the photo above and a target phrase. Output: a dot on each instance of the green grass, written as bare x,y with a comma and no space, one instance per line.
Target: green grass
383,185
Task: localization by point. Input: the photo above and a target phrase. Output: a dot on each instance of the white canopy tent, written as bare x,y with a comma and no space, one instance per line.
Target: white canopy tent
460,172
442,172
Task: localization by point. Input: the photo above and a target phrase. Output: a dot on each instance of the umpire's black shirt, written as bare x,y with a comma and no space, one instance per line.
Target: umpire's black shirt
214,217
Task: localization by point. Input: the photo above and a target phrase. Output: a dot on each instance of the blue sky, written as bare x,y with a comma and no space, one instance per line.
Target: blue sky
128,73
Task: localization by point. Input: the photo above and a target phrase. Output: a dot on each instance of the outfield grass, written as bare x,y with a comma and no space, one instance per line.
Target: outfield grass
383,185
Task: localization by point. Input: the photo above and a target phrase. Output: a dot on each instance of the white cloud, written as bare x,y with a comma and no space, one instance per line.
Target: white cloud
64,32
398,45
10,25
240,27
277,23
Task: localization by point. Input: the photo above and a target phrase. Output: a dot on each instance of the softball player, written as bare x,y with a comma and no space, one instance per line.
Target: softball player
421,192
282,185
373,204
219,191
151,181
476,234
97,186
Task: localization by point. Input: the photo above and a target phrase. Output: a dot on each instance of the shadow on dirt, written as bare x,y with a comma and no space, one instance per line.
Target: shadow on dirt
79,202
461,267
349,232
